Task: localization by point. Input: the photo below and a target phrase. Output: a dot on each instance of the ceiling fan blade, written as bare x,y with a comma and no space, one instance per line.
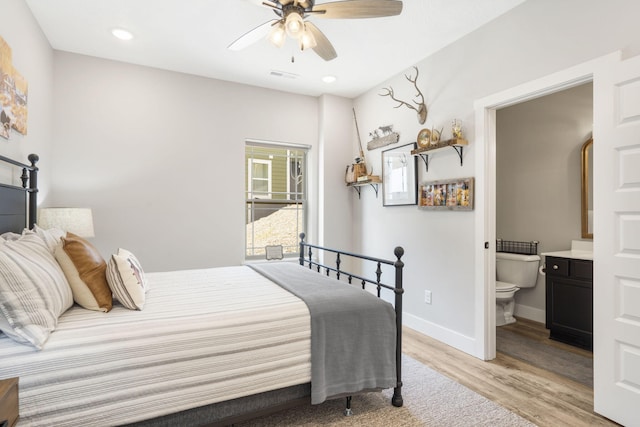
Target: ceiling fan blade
252,36
358,9
323,48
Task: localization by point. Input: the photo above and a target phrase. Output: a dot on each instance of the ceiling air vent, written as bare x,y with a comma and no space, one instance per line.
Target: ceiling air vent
283,74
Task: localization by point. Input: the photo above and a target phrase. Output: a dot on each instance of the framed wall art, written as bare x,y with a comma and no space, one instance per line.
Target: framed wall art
449,194
399,176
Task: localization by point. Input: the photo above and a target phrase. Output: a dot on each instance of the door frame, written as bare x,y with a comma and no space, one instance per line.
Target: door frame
485,187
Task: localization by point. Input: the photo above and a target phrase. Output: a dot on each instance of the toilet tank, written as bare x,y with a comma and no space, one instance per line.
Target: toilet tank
520,270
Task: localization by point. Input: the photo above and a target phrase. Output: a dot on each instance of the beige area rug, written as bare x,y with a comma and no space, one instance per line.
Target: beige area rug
430,399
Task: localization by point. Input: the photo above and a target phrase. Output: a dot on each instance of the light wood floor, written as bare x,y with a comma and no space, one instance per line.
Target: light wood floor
540,396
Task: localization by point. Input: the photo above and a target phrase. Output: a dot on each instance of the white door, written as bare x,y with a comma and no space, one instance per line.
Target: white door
616,284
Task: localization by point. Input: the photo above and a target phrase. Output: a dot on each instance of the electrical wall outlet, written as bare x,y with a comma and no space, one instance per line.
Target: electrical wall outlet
427,297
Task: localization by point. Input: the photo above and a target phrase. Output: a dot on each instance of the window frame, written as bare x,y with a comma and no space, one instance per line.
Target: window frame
291,194
250,178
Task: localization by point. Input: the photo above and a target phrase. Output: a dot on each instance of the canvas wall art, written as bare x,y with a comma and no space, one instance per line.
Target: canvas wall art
13,95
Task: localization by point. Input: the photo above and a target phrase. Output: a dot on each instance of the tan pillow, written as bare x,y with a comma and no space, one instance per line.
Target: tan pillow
85,270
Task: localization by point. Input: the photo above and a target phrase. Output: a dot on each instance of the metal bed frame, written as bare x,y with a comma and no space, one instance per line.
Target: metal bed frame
19,210
20,201
306,258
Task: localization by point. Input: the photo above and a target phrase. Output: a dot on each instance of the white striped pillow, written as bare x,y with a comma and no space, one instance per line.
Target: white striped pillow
33,290
51,237
126,279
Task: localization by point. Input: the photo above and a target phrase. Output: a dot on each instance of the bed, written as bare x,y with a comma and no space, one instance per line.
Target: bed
209,346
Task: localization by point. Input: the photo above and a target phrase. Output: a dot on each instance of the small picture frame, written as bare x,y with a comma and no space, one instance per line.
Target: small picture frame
450,194
273,252
399,176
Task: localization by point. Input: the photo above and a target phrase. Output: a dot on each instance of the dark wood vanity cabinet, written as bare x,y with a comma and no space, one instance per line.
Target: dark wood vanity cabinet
569,300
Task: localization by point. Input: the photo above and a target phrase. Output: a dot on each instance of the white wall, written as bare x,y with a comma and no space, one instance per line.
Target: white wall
336,137
33,58
538,189
159,156
533,40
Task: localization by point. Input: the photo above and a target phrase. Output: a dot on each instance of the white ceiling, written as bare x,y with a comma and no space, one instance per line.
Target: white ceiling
191,36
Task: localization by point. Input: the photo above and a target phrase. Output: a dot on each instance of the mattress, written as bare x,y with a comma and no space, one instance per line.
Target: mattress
204,336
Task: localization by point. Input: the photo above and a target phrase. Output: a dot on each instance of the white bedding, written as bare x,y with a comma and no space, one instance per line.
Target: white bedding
204,336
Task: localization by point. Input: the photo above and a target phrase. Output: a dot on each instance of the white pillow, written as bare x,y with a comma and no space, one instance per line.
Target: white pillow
50,236
33,290
126,279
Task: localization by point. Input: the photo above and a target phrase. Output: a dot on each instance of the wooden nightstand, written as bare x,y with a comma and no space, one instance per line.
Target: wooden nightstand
9,401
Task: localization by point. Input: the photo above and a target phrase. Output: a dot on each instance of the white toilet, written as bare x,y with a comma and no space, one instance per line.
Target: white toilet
513,272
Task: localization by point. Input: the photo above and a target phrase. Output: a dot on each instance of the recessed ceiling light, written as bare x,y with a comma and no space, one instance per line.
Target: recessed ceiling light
122,34
329,79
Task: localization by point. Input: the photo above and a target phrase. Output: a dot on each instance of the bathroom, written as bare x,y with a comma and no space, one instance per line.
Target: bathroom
538,178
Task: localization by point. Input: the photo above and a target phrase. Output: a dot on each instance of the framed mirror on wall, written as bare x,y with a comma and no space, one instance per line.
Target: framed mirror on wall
399,176
587,189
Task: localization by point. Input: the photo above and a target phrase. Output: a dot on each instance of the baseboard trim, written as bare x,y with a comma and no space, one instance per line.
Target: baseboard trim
447,336
530,313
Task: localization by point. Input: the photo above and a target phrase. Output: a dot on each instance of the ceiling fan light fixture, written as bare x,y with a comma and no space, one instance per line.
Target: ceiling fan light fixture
277,36
291,15
294,25
307,40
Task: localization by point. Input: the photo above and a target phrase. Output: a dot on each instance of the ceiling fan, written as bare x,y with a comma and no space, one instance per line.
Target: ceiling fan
291,22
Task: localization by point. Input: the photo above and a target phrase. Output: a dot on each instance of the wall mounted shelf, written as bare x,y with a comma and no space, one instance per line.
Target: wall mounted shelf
373,182
457,144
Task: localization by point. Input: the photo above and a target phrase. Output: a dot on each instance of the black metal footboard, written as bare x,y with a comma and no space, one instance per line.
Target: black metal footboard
306,258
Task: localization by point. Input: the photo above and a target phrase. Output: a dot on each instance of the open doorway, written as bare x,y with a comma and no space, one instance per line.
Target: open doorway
538,207
538,185
486,125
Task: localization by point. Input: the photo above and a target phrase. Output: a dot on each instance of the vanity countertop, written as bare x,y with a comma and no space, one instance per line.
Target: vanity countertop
588,255
580,249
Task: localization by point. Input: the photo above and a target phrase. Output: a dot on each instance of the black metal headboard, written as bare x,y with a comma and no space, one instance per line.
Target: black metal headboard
18,204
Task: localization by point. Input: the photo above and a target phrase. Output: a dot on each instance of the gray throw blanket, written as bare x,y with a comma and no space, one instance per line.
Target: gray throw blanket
353,333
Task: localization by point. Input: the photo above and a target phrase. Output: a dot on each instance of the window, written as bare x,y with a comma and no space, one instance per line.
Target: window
259,180
275,196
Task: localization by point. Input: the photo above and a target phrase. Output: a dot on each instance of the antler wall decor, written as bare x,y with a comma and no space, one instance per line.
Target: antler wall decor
422,107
